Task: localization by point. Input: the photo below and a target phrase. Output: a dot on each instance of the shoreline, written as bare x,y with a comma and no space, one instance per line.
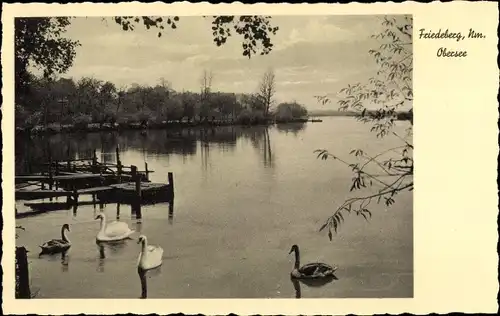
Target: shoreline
58,128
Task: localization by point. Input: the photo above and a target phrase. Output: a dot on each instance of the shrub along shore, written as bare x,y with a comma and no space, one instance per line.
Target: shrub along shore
56,128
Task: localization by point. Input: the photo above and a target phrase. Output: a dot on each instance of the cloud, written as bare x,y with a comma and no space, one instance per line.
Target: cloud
316,30
312,55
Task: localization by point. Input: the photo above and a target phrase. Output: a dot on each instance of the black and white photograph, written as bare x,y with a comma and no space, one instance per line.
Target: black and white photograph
218,156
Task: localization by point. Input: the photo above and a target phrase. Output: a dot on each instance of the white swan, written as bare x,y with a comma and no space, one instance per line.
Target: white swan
150,257
113,231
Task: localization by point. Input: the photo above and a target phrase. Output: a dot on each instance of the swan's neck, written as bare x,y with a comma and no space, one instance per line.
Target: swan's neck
144,249
297,259
103,224
63,235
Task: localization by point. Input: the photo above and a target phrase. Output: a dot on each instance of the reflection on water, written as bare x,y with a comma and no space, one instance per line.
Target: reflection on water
62,257
117,211
102,256
113,248
171,212
64,261
144,276
138,226
315,283
296,286
158,142
144,283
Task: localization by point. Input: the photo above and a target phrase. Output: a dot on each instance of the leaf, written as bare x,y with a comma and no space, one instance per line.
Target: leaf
353,186
363,214
330,235
340,216
324,226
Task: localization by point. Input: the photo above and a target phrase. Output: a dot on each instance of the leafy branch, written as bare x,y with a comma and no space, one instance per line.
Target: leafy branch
256,30
379,101
398,176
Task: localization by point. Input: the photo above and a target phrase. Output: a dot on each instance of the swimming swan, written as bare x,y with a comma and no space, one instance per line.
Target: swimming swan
57,245
150,256
314,270
113,231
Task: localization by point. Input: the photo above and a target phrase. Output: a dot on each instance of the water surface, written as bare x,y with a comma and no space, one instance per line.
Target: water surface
243,197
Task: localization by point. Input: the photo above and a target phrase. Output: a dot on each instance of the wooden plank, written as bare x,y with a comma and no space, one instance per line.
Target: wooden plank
73,176
80,176
51,206
32,178
40,194
145,186
94,190
26,184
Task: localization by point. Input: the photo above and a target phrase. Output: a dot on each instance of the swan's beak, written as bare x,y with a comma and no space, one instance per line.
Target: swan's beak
291,250
139,241
97,217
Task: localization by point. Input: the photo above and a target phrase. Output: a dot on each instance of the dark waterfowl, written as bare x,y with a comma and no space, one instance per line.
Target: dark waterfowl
316,270
57,245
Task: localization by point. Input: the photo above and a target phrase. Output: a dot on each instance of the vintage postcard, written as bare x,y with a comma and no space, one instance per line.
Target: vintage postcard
250,159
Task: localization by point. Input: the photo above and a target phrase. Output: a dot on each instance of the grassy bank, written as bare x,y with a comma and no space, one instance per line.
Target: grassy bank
55,128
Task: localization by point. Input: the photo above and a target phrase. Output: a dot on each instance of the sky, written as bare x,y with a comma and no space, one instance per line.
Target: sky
312,55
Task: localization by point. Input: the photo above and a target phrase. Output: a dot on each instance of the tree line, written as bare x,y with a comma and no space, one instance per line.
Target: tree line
92,101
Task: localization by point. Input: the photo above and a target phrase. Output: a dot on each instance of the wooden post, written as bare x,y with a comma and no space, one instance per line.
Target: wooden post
94,162
22,273
146,168
171,184
75,195
68,165
51,181
56,173
50,177
136,202
49,152
118,165
133,172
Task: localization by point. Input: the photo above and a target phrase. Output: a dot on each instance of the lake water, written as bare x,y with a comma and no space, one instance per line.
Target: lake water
243,197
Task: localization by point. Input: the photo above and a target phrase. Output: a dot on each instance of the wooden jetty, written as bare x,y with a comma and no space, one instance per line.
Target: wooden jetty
104,182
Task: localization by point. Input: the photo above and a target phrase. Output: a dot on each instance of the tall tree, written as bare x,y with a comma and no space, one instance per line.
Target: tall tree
39,43
206,90
390,90
267,89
